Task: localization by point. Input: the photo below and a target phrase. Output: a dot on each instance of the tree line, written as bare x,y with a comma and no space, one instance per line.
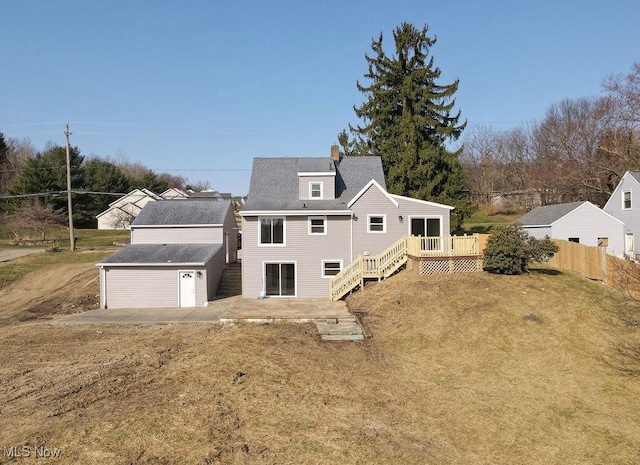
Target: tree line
31,181
579,151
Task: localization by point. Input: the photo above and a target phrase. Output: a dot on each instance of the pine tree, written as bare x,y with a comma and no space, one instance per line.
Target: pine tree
409,120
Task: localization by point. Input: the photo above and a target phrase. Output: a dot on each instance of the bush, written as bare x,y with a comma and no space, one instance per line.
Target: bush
510,249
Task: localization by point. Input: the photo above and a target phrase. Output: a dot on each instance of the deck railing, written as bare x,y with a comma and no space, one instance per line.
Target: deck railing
387,262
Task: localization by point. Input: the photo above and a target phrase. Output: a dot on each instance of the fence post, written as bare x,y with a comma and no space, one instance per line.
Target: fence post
603,262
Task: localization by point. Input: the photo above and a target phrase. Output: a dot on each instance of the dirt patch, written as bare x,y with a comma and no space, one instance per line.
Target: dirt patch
59,289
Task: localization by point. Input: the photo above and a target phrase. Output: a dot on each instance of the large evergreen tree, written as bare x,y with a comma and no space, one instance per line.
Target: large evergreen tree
409,119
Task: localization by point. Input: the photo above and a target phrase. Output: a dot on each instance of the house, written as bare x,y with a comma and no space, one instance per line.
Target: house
624,204
177,254
173,193
305,219
581,222
123,211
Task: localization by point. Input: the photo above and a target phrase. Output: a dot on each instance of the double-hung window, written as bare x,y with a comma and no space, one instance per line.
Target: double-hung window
317,225
315,190
376,223
626,200
272,231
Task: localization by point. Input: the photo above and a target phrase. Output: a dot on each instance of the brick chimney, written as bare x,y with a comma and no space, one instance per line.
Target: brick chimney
335,154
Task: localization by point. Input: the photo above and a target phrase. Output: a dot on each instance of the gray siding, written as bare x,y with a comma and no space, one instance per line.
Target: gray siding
230,235
147,287
177,235
630,217
213,273
374,202
307,251
328,186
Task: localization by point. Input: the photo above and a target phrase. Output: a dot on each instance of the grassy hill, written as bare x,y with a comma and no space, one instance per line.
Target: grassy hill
467,369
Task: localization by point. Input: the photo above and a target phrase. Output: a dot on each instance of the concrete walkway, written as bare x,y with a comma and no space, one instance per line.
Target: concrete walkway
232,309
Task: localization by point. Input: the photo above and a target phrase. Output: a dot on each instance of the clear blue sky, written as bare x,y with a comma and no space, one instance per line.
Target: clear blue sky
195,86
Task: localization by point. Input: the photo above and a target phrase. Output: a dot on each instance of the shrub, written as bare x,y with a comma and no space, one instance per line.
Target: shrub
510,249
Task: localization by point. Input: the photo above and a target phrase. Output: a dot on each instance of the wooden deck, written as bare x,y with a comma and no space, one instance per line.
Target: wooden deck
389,261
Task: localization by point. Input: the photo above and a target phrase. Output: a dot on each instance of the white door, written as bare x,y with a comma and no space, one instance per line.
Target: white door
628,244
187,289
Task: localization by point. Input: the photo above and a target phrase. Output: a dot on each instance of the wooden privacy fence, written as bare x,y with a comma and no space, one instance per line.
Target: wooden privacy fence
594,263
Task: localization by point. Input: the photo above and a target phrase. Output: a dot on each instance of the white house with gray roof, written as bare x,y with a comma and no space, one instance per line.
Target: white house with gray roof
624,204
581,222
305,219
177,254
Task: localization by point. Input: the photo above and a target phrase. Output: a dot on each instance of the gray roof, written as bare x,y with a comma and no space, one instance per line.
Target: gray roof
545,216
163,254
274,182
179,212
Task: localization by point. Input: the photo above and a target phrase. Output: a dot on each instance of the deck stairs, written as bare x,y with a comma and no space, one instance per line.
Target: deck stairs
369,267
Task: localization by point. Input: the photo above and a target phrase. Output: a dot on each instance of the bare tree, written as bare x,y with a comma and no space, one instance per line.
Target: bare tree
37,217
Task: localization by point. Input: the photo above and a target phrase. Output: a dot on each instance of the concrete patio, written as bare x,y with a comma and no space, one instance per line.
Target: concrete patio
228,310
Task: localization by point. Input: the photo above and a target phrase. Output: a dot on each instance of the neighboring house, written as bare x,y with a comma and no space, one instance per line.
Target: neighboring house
173,193
177,253
305,219
123,211
624,204
581,222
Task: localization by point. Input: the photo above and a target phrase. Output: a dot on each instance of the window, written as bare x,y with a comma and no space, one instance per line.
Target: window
603,242
317,225
315,190
272,231
331,268
376,223
574,239
626,200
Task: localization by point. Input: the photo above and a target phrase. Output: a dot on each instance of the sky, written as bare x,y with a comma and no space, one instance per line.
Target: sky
198,88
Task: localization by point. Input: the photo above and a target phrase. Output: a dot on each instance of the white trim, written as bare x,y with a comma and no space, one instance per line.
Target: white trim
322,268
195,288
423,202
284,231
582,205
147,265
630,200
325,224
305,212
295,278
384,223
373,182
426,217
321,184
316,173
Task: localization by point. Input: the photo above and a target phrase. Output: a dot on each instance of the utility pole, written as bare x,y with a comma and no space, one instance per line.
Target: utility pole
72,241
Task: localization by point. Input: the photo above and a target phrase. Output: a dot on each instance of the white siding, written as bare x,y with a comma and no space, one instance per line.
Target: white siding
630,217
588,223
539,232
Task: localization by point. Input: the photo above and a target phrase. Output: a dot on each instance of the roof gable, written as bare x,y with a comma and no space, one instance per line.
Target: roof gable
629,176
372,183
551,214
274,184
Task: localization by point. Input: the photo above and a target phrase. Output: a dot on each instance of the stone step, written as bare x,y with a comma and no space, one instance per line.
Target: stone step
340,330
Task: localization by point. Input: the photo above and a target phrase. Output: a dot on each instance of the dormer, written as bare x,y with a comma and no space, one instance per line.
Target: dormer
316,179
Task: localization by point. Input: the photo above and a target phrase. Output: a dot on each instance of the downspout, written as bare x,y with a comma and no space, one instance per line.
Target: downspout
351,251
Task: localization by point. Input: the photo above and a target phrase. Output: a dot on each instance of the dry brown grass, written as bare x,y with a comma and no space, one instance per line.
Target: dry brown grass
468,369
